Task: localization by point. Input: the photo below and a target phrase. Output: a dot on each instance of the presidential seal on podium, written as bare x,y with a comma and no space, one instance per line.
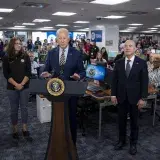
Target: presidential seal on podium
55,86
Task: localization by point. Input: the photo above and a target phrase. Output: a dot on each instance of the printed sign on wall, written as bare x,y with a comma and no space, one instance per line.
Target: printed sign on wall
96,36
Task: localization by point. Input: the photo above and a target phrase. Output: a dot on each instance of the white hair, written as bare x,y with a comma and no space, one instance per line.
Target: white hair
62,30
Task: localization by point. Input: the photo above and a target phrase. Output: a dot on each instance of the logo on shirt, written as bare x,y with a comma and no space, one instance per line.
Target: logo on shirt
55,87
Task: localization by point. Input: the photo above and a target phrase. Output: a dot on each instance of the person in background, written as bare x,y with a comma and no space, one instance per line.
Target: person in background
129,90
68,65
104,53
17,71
34,65
121,55
1,45
94,50
139,54
45,42
29,45
37,43
99,58
5,44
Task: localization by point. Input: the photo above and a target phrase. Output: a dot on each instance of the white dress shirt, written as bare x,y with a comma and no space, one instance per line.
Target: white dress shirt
131,61
65,52
34,66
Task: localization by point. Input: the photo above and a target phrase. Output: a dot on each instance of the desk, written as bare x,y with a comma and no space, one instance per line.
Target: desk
153,97
104,97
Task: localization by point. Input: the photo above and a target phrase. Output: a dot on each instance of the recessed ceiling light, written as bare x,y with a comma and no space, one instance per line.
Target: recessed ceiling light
64,14
124,31
153,28
29,24
81,22
6,10
76,26
135,24
147,31
48,27
1,17
62,25
41,20
19,26
109,2
158,8
114,17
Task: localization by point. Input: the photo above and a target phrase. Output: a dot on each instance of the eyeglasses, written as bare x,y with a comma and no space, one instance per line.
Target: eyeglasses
18,44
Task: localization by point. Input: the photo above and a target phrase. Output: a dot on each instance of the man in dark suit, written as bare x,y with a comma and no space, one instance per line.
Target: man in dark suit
66,62
129,90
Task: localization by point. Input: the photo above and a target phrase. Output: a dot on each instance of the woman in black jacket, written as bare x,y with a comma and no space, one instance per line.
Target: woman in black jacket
17,71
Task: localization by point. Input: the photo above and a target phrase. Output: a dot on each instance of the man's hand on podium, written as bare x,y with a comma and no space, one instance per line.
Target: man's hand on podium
45,75
75,76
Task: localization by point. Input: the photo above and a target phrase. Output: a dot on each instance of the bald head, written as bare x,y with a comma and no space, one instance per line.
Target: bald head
129,48
63,37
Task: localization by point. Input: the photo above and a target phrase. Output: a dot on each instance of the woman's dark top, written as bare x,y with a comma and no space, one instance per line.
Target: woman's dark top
16,68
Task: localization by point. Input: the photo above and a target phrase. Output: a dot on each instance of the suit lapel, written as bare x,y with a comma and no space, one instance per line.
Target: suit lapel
69,57
123,67
134,67
57,59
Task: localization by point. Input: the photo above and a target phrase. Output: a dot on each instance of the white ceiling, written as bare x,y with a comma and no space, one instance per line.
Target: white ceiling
84,10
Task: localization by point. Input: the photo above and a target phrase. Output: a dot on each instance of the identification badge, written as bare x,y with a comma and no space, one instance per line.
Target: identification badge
22,60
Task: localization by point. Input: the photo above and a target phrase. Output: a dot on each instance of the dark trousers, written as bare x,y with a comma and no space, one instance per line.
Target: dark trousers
123,110
72,117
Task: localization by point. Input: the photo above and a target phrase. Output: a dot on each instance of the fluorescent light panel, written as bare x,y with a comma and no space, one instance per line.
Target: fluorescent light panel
29,24
158,8
19,26
64,14
6,10
135,24
109,2
153,28
81,22
48,27
77,26
41,20
62,25
1,17
132,27
114,17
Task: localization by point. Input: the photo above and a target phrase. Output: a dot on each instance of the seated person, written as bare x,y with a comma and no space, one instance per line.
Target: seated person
154,74
99,58
34,65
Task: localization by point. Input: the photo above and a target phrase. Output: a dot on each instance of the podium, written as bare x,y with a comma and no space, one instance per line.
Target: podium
60,144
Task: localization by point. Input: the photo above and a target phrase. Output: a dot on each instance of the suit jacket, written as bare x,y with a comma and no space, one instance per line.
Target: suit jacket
135,86
74,63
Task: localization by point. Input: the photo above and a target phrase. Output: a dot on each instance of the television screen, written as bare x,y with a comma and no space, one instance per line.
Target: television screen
96,72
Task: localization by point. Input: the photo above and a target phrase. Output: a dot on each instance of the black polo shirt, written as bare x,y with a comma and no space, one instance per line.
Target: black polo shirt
17,68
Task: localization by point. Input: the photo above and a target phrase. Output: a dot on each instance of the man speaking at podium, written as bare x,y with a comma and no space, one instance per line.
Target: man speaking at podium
65,62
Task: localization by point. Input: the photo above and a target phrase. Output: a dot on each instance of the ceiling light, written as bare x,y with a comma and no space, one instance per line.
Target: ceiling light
157,26
62,25
19,26
158,8
109,2
152,28
41,20
1,17
81,22
135,24
76,26
124,31
63,14
29,24
146,31
132,27
5,10
48,27
114,17
86,28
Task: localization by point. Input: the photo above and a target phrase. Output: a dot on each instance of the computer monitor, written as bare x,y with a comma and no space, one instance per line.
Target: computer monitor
101,63
157,51
153,50
96,72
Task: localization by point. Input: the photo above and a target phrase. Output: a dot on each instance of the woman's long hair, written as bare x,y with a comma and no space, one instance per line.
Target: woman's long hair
11,50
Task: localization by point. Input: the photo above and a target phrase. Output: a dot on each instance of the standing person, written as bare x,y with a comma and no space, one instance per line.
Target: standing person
17,71
67,62
129,90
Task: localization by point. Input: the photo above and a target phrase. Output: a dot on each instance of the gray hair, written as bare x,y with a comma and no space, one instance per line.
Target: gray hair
62,30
